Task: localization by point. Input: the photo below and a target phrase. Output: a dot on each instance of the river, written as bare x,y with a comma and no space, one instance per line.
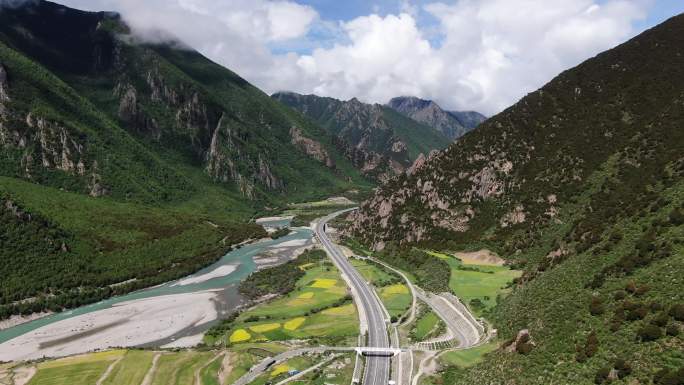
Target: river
208,295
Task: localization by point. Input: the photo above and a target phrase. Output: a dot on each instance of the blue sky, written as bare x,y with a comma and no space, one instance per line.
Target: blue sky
661,11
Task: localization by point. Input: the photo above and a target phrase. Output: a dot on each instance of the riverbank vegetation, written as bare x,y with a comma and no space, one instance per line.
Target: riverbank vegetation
56,257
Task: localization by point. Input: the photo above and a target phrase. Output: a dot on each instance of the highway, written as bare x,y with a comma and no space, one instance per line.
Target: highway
377,368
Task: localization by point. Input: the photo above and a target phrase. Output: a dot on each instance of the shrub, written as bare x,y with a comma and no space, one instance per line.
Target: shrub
623,367
672,330
669,377
602,374
591,346
677,311
649,332
661,319
476,303
676,217
596,306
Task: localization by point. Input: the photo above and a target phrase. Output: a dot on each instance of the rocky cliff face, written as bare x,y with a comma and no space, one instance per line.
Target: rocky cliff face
453,124
4,93
311,148
42,144
374,138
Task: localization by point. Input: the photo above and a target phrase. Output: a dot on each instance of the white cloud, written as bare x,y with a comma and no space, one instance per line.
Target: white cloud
491,52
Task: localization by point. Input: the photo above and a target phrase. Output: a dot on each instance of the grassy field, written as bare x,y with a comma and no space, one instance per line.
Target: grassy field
373,273
396,298
318,307
209,373
478,285
132,369
469,357
180,368
424,326
78,370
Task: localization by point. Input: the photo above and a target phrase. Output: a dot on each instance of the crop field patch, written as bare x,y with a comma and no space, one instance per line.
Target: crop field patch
132,369
306,295
265,327
468,357
484,284
294,323
240,335
280,369
109,355
341,310
395,289
83,373
324,283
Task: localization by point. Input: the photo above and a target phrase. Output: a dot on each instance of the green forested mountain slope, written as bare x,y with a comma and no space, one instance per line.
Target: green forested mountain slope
581,184
377,139
122,160
175,104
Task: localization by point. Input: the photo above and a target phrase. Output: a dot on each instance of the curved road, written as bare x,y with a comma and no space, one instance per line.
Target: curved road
377,368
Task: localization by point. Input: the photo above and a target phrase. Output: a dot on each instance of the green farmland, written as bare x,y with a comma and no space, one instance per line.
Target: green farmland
318,307
478,285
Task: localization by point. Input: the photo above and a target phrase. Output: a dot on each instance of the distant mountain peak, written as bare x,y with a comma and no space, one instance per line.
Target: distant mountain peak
453,124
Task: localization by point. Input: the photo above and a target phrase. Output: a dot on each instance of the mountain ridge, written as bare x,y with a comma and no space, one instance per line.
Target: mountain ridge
378,140
453,124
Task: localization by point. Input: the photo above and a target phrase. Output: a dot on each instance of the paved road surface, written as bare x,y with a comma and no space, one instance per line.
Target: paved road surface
377,368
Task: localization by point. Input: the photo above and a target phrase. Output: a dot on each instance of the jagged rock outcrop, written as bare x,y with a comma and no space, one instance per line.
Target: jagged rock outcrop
57,149
130,111
226,162
4,87
523,343
311,148
4,99
453,124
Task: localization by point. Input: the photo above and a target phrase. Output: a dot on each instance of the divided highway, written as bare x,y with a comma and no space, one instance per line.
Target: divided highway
377,368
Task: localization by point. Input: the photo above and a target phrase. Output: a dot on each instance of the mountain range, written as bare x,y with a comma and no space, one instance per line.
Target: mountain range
377,139
581,185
